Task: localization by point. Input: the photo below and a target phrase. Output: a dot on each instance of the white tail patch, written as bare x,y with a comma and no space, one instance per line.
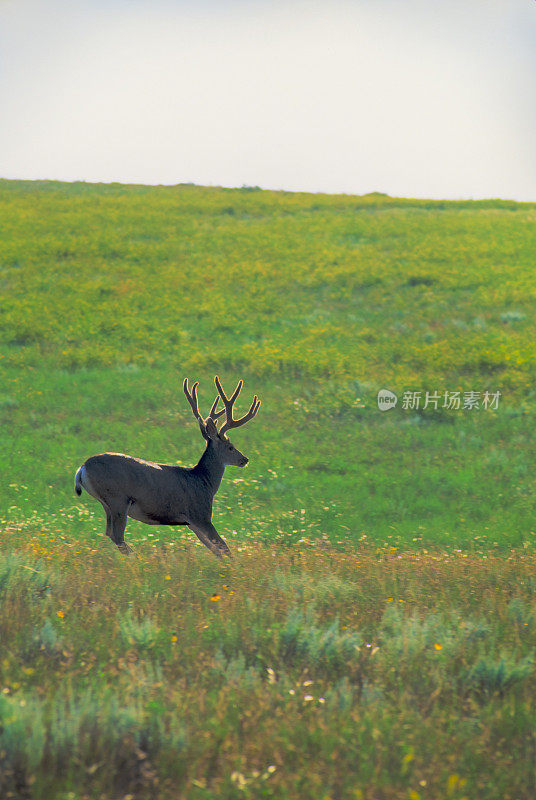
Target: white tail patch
78,481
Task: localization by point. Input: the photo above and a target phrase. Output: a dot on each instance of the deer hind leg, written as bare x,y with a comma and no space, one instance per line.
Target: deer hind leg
117,523
108,531
207,533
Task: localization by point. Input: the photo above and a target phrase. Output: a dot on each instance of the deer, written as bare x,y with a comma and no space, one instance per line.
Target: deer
164,494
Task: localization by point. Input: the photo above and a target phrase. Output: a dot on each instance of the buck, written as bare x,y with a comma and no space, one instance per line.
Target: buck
163,494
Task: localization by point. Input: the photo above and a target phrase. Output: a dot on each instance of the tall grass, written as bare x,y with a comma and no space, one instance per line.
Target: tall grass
171,674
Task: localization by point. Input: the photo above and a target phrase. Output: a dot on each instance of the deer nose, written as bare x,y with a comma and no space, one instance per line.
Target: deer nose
244,462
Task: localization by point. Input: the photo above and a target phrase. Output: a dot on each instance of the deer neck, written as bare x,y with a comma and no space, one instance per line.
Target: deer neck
210,467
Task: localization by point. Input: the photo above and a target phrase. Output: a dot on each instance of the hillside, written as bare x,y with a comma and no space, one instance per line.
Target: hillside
112,294
373,637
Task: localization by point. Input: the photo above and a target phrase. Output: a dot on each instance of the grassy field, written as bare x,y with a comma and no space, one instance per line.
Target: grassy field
373,636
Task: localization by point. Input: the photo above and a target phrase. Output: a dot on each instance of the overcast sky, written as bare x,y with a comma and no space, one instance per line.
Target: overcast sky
417,98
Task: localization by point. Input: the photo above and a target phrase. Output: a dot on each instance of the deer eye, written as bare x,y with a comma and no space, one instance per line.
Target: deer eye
231,447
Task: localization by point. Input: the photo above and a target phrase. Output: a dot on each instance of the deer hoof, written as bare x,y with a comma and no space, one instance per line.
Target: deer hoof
124,548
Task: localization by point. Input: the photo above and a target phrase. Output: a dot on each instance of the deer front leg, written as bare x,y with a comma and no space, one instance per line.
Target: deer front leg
207,533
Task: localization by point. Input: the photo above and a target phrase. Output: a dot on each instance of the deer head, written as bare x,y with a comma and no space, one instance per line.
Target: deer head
223,447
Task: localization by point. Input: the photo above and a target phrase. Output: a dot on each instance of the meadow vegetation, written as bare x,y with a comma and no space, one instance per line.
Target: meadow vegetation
285,673
374,635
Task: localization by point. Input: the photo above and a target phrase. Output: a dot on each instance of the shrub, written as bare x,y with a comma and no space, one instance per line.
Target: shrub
142,634
489,676
22,739
20,576
47,639
328,649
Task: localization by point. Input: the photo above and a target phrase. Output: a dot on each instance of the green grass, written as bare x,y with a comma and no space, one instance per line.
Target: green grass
112,294
386,557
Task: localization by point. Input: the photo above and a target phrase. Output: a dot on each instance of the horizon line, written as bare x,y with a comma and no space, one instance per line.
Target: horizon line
254,187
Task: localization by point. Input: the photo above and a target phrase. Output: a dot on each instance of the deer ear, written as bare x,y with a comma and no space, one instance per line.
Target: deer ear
211,430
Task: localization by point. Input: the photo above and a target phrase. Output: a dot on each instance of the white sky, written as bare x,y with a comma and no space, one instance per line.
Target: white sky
417,98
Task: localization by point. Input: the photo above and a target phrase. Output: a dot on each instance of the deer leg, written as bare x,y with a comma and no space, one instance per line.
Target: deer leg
108,531
207,533
119,521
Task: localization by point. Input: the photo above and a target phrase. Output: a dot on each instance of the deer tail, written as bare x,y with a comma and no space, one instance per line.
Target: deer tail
78,486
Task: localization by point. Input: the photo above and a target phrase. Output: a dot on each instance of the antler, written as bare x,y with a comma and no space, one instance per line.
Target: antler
228,403
192,399
213,413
